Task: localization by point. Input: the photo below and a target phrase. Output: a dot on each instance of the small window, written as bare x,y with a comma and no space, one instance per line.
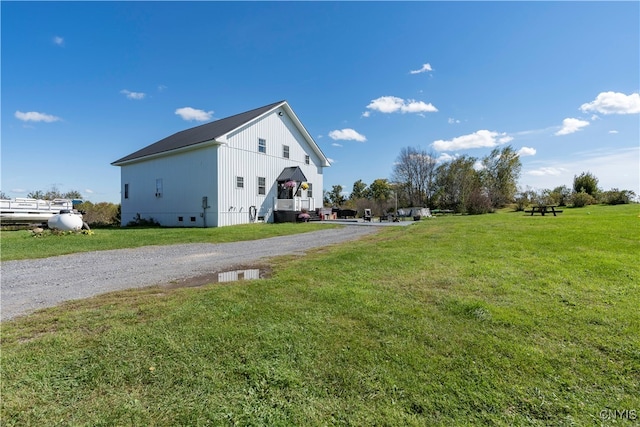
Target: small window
159,187
310,190
262,186
239,182
126,191
285,151
306,159
262,145
193,219
180,219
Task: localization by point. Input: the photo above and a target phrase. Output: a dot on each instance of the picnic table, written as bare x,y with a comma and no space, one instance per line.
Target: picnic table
544,209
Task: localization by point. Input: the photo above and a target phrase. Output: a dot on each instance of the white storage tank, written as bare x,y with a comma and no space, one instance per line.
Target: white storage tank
66,221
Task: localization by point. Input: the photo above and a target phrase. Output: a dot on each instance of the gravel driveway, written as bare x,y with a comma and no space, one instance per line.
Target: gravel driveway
29,285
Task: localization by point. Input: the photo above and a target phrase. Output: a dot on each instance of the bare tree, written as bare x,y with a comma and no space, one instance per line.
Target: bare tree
415,174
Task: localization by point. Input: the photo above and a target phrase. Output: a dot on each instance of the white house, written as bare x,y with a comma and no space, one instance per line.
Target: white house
260,165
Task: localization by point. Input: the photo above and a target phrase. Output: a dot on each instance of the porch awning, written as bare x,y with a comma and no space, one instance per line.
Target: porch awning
292,174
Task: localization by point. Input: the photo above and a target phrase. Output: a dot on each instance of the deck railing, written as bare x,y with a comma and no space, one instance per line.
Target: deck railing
295,204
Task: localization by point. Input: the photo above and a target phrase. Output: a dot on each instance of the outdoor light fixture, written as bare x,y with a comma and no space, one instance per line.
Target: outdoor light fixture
280,113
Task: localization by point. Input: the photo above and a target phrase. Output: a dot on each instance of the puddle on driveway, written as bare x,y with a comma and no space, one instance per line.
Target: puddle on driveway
227,276
235,275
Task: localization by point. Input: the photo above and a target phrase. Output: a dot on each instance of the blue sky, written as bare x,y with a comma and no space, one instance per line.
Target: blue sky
86,83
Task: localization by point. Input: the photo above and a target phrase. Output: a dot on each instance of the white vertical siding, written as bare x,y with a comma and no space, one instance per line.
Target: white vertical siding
212,170
240,157
186,178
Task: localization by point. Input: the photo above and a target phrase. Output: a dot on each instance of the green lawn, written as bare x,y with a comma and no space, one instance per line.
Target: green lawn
500,319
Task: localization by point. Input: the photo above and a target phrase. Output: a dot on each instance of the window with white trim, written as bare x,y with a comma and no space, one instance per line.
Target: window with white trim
262,145
239,182
262,186
126,191
306,159
310,190
285,151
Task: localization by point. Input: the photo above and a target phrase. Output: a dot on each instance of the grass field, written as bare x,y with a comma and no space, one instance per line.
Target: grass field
500,319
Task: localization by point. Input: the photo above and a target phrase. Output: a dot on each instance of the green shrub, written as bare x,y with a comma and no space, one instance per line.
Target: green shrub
138,221
586,182
617,197
524,199
478,203
100,214
560,195
582,199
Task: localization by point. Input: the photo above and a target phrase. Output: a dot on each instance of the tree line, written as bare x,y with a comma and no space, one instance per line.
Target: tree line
464,184
585,191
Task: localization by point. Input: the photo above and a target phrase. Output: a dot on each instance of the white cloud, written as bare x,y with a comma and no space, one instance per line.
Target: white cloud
530,132
613,131
393,104
188,113
424,69
479,139
526,151
366,114
451,121
347,134
444,157
413,106
34,116
571,125
133,95
87,190
614,103
335,144
386,104
544,171
58,41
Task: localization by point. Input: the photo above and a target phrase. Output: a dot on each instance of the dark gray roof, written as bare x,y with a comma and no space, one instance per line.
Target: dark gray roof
198,134
293,173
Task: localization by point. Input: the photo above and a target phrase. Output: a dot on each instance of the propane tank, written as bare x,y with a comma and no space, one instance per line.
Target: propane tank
65,221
